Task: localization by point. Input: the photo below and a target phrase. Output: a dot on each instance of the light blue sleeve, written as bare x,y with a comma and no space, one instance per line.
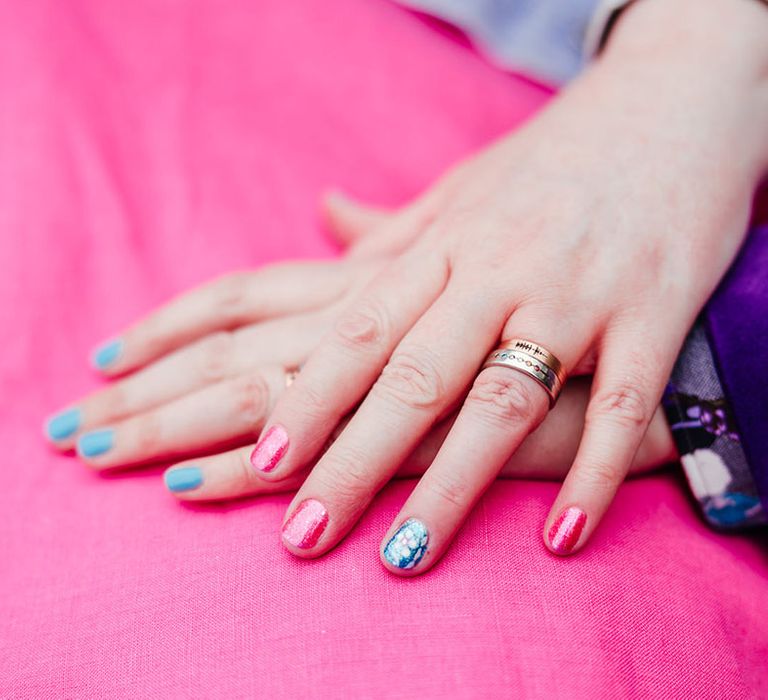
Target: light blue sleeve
540,38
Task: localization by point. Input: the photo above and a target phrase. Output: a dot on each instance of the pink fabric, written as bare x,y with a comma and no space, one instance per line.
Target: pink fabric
146,146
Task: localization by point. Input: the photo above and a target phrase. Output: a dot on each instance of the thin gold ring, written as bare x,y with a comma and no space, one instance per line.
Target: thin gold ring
290,375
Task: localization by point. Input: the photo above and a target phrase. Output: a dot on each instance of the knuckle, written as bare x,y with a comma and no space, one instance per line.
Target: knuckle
599,477
149,335
625,405
450,489
412,379
505,398
308,403
149,439
230,294
344,474
216,354
113,403
251,397
363,328
245,474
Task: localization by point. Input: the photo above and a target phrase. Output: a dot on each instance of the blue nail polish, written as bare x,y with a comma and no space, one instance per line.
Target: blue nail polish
408,545
95,443
183,478
106,354
63,424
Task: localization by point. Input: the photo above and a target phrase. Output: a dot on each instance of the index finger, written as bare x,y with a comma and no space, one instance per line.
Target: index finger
222,304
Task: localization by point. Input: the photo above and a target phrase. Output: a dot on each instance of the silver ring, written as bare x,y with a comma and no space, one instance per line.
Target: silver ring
533,366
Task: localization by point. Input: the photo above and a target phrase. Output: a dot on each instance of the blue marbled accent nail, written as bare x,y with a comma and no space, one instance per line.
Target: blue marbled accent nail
63,424
95,443
183,478
106,354
408,545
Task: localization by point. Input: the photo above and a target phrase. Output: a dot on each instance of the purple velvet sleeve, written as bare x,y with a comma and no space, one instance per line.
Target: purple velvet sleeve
736,319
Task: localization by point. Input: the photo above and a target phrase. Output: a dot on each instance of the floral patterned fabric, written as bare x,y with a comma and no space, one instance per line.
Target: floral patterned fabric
708,440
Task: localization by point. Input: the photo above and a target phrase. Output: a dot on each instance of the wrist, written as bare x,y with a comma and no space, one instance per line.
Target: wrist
712,57
732,28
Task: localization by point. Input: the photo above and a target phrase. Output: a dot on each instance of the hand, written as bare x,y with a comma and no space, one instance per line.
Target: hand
207,371
593,232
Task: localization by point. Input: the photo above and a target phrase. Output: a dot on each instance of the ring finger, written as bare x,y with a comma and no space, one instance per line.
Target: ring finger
504,405
217,357
215,416
422,380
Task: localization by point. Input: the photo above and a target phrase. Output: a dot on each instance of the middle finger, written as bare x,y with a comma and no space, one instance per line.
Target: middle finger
215,358
225,413
426,374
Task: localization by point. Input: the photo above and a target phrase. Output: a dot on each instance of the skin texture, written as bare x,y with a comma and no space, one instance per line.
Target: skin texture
651,173
598,230
199,379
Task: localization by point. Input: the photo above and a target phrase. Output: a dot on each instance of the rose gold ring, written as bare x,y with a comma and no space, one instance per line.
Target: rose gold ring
539,352
531,359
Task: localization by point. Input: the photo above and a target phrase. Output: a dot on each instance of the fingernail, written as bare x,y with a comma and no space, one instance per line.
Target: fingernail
306,524
566,530
63,424
95,443
183,478
106,354
408,544
270,450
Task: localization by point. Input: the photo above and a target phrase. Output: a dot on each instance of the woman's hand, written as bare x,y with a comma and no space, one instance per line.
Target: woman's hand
209,366
597,231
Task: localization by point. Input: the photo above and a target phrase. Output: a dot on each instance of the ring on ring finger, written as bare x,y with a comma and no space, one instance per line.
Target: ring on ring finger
532,359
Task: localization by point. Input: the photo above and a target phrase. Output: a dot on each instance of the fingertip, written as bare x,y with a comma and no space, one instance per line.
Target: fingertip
269,451
350,220
180,480
334,208
303,529
94,444
105,356
62,426
565,535
403,553
333,197
396,571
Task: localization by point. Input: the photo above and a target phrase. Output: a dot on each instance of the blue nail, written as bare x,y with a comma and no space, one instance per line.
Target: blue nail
408,545
106,354
63,424
183,478
95,443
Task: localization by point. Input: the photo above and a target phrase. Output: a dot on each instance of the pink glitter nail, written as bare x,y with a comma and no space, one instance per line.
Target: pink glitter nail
270,450
565,532
304,527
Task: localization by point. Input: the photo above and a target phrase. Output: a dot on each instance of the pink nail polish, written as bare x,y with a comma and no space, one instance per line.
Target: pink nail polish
270,450
566,530
306,524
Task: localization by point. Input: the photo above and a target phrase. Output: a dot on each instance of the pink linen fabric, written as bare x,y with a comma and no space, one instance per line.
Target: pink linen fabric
146,146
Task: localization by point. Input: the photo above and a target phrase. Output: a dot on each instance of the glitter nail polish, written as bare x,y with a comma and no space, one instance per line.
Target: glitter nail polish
408,545
566,530
306,524
270,450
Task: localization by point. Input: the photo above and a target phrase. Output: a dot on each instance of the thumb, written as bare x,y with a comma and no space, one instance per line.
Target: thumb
348,220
